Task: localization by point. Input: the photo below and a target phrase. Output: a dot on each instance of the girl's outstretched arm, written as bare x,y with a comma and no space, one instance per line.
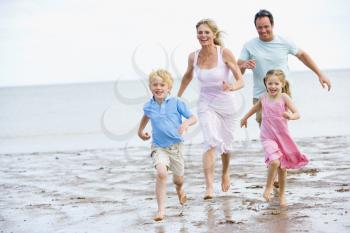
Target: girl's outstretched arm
187,76
143,135
294,113
254,109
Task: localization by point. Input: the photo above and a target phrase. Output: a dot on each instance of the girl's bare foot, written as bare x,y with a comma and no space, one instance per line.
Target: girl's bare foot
267,194
159,217
283,201
225,182
182,198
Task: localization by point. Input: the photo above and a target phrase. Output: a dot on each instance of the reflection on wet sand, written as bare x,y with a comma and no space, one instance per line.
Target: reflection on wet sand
276,218
211,218
226,207
159,229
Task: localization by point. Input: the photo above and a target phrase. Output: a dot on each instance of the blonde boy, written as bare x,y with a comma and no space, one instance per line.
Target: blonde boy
165,113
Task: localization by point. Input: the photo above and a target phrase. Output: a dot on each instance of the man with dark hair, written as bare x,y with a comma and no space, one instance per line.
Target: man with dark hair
270,51
263,13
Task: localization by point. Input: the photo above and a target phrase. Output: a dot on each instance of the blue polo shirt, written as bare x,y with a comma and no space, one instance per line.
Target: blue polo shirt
166,120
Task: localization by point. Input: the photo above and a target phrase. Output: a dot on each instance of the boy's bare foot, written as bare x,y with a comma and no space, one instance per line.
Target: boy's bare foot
182,198
267,194
283,201
159,217
225,182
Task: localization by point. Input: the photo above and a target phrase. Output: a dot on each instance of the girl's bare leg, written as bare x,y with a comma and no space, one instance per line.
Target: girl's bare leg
225,179
161,191
276,183
178,181
274,165
208,167
282,174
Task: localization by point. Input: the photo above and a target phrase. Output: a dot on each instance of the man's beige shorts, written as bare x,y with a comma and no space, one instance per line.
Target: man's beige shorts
258,113
171,157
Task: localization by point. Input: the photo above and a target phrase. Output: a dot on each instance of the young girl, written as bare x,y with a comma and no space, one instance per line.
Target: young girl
281,152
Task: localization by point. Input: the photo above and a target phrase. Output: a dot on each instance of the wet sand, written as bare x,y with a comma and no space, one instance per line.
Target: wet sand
112,190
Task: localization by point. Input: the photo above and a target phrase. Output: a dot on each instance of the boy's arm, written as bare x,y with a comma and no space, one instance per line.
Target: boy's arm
254,109
188,122
143,135
294,114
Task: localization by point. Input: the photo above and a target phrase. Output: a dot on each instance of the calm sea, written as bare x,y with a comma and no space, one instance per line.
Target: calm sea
98,115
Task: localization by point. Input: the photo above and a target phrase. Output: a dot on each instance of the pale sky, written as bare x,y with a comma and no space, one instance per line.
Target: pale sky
68,41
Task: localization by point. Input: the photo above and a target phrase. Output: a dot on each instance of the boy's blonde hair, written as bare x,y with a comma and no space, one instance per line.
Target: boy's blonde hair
164,75
281,76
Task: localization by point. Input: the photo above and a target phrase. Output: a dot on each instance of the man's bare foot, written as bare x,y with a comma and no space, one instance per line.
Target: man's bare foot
225,182
182,198
267,194
159,217
283,201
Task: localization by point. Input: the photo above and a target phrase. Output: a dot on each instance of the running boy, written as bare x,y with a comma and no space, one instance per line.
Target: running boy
165,113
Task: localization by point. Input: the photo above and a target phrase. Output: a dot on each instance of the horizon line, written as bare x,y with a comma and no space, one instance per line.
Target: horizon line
123,80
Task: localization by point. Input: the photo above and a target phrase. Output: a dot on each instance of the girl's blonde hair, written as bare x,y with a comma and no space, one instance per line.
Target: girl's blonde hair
281,76
212,25
163,74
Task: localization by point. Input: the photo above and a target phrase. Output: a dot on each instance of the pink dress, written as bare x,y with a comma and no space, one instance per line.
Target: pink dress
217,109
275,138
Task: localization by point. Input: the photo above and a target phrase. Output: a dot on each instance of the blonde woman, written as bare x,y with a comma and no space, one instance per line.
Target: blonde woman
213,66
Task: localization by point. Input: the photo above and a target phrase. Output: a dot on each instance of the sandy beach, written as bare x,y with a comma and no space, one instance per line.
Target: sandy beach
112,190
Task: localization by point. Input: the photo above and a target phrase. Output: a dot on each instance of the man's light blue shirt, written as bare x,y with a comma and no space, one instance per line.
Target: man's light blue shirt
166,120
268,55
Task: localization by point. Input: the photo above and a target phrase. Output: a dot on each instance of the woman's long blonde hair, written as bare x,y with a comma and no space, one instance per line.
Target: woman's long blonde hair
212,25
281,76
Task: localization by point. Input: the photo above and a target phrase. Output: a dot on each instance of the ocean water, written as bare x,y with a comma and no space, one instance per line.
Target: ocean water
99,115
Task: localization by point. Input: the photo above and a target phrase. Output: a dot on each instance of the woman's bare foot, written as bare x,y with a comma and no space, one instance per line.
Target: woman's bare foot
182,198
267,194
159,217
283,201
209,194
225,182
208,197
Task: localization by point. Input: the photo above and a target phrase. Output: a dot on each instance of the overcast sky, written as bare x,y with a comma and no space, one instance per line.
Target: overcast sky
49,42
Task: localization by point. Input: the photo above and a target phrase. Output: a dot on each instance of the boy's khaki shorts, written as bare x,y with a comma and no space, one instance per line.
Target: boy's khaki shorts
171,157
